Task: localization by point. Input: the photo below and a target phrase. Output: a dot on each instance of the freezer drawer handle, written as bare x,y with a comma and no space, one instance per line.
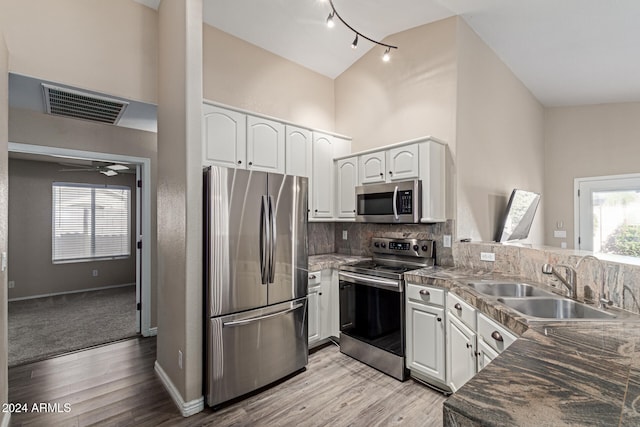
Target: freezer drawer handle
266,316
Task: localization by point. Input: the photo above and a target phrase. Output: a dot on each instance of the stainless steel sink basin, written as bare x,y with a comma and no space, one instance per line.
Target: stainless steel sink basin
505,289
555,308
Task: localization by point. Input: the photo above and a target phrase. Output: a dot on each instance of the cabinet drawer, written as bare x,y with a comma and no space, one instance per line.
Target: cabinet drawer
494,334
425,294
315,277
462,310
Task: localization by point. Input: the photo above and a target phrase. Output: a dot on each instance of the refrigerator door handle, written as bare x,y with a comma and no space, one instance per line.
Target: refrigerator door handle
272,246
264,240
266,316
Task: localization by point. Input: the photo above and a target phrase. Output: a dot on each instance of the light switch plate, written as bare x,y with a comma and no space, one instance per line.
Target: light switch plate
560,234
446,240
487,256
344,234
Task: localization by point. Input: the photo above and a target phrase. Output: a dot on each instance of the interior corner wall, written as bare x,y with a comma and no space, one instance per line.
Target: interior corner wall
500,140
30,225
4,198
105,46
245,76
585,141
28,127
411,96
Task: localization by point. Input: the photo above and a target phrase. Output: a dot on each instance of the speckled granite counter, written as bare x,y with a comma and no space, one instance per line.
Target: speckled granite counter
556,374
320,262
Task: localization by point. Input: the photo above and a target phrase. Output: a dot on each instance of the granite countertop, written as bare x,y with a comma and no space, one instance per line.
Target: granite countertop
324,261
577,373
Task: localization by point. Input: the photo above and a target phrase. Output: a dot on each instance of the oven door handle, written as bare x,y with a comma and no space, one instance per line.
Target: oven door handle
395,203
378,282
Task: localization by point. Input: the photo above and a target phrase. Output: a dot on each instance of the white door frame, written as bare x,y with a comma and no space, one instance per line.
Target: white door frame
598,183
144,170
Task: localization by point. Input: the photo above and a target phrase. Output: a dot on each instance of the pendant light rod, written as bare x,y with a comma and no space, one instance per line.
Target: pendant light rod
358,33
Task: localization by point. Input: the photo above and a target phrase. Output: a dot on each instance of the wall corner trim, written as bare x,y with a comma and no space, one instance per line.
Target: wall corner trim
4,421
186,408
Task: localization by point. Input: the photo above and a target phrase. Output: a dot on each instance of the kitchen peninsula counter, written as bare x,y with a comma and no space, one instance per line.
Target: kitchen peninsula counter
558,373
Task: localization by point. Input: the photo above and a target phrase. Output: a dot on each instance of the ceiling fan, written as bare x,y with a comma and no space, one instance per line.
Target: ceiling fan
105,168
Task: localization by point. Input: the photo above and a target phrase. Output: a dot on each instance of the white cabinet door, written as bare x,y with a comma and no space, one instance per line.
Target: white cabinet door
461,348
485,354
372,167
403,163
425,340
322,183
265,145
223,137
314,311
346,182
298,144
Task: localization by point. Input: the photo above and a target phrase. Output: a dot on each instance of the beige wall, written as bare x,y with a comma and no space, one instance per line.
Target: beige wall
106,46
499,140
30,230
180,291
28,127
585,141
4,125
245,76
411,96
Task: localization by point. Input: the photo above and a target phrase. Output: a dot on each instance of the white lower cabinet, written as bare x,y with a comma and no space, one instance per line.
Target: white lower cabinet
461,353
314,306
321,310
425,346
485,354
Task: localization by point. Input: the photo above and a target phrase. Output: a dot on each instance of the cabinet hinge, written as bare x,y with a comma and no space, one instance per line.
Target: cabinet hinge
139,183
578,192
139,306
579,240
139,244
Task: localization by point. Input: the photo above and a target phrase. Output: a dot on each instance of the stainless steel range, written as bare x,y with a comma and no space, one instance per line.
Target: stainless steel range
372,312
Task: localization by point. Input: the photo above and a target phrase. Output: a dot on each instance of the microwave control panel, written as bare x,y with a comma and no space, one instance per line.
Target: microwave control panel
405,202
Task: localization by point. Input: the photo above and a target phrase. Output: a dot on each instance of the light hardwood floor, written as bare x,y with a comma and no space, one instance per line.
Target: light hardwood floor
116,385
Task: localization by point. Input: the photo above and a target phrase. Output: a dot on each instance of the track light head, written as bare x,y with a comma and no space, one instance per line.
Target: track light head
387,56
354,45
330,22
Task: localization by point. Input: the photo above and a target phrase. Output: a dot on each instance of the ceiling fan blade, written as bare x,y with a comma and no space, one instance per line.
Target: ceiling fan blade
117,167
109,172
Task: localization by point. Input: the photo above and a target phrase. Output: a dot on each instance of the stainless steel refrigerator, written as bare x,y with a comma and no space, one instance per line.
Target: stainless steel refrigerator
255,277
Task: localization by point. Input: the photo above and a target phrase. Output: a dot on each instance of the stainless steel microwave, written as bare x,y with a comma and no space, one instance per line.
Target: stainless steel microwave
390,203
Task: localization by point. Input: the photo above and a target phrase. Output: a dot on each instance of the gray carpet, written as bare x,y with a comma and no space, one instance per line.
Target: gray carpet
44,327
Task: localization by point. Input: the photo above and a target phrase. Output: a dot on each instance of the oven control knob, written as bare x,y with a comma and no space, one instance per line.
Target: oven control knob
425,248
383,244
376,244
416,248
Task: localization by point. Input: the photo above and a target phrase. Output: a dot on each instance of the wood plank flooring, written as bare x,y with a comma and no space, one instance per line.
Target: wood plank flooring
115,385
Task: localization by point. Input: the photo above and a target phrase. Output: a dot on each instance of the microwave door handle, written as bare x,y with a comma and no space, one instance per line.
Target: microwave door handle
395,203
264,240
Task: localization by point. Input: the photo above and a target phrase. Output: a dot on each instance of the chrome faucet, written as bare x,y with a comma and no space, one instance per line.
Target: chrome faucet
569,282
603,301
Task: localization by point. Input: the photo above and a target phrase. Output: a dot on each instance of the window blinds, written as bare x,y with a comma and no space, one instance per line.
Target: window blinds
90,222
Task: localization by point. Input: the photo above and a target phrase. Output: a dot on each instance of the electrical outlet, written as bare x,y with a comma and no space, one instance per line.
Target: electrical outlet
12,284
560,234
446,240
344,234
487,256
94,273
180,359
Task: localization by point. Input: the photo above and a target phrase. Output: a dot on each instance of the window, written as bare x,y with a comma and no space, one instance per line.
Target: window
90,222
609,214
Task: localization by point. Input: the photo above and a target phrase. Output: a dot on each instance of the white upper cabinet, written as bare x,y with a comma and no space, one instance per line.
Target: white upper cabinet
403,163
372,167
223,137
346,182
298,143
321,182
265,145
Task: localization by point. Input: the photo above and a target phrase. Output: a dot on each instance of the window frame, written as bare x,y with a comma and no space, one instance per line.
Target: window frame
93,235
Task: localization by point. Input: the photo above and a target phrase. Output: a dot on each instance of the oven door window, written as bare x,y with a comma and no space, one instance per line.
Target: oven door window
372,315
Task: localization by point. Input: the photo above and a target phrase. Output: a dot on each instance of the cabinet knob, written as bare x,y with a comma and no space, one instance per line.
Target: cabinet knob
319,293
354,211
439,319
250,163
312,277
496,336
316,210
424,292
239,162
457,306
390,173
381,174
469,345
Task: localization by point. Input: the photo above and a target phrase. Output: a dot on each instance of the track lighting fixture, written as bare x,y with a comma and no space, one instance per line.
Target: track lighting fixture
331,23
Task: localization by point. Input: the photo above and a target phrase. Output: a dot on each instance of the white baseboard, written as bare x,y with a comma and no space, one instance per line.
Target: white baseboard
152,332
4,421
71,292
186,408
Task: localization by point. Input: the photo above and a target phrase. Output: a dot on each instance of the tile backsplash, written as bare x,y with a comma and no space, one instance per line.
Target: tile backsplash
328,237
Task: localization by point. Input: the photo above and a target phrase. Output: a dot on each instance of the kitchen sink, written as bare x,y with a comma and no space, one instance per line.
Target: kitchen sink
555,308
506,289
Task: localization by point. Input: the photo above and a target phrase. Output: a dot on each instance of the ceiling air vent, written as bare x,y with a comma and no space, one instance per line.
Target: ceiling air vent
61,101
